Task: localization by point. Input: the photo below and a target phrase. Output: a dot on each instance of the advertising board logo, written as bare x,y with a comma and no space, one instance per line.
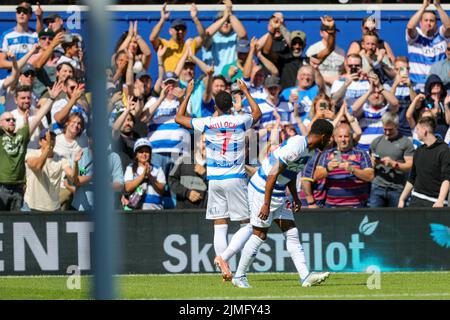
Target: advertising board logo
367,228
440,234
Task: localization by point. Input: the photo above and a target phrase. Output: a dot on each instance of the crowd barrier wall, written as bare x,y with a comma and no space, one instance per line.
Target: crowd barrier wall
174,241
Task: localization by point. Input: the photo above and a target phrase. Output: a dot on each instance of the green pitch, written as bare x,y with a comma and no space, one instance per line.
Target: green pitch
411,285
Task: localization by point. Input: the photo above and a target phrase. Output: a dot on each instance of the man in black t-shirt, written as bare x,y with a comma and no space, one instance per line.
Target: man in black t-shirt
430,174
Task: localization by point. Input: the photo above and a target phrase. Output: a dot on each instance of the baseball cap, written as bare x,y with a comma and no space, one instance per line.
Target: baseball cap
272,81
28,67
243,46
142,74
141,142
44,132
51,17
298,34
170,76
46,32
178,23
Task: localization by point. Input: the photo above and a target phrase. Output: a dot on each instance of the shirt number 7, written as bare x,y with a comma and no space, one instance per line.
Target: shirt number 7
226,136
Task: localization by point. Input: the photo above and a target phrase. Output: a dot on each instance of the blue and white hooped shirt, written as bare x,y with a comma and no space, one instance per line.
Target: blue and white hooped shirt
152,200
225,144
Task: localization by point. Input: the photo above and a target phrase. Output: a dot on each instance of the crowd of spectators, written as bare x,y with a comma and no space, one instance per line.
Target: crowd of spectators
391,113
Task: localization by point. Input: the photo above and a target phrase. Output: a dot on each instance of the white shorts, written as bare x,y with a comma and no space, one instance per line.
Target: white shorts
278,208
227,199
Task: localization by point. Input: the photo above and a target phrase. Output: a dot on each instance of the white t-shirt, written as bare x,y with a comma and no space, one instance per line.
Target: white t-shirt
42,191
73,62
332,65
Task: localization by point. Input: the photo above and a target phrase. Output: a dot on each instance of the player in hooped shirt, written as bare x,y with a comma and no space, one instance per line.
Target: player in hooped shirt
267,191
225,161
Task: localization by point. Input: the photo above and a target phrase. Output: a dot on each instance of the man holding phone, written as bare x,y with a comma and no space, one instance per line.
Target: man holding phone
353,84
347,172
392,157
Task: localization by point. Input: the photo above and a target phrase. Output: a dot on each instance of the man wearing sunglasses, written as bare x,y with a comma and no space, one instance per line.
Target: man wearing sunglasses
19,39
13,148
177,44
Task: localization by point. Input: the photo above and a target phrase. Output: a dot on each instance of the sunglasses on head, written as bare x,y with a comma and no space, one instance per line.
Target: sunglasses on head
22,10
10,119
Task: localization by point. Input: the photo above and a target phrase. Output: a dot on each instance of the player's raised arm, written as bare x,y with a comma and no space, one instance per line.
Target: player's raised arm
181,117
272,177
256,112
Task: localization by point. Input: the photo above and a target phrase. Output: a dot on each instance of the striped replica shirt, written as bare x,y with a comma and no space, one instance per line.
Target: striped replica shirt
317,186
305,98
355,90
18,42
371,125
284,109
343,188
423,52
259,94
225,144
164,134
294,154
152,199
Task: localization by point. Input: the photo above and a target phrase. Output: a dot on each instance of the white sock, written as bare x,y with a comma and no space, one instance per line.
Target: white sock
295,249
248,254
220,238
238,241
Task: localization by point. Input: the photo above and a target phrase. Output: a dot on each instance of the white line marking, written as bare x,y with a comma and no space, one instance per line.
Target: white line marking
334,296
217,274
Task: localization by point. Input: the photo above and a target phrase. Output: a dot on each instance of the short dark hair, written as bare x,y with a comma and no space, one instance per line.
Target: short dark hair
220,77
428,122
66,82
223,101
322,126
59,66
22,88
429,11
371,34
